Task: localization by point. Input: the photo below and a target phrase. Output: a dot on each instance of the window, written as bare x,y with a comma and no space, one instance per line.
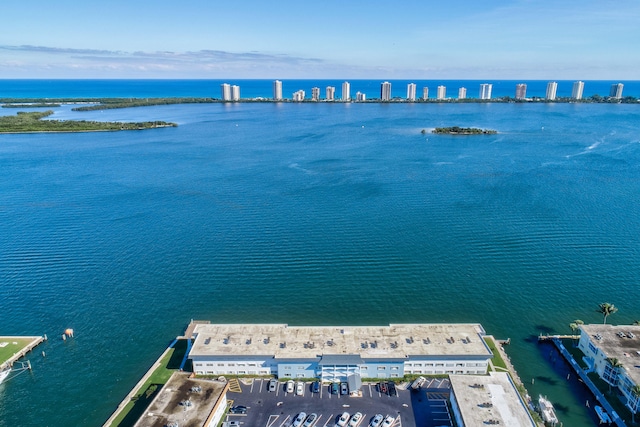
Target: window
394,368
300,367
242,372
394,375
592,348
381,368
240,364
288,368
231,364
251,364
209,364
220,364
417,364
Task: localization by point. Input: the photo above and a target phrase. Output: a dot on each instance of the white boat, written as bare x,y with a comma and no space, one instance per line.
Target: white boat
602,415
4,373
546,411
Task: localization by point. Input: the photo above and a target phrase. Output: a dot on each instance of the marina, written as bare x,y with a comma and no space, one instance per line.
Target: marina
13,348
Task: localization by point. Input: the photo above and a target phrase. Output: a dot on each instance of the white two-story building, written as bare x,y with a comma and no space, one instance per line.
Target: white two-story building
334,353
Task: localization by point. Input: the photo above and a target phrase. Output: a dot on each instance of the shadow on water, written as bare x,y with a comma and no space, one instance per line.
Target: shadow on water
544,329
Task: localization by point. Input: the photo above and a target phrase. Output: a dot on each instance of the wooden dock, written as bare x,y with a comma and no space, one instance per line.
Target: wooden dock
35,341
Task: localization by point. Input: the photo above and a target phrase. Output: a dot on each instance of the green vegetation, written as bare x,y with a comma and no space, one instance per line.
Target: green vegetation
606,309
25,122
106,104
143,397
497,360
32,105
457,130
10,349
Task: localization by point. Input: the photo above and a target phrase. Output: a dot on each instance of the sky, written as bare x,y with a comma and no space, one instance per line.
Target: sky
332,39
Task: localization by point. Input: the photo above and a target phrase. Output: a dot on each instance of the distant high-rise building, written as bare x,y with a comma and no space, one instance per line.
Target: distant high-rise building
425,93
298,95
616,90
385,91
442,92
315,93
346,91
485,90
235,93
226,91
411,92
277,90
552,88
330,93
521,91
361,97
462,93
578,88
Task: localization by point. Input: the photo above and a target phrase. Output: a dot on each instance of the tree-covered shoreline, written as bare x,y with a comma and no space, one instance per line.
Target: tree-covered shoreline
31,122
457,130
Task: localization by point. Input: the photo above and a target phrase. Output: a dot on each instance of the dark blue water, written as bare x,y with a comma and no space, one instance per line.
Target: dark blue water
264,88
309,214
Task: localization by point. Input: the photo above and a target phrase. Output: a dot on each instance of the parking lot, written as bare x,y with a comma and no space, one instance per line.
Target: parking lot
425,408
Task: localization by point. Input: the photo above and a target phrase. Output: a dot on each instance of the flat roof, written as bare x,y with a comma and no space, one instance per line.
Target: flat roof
396,341
168,407
482,398
618,341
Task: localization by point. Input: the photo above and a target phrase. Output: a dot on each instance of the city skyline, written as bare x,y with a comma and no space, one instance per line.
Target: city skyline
592,42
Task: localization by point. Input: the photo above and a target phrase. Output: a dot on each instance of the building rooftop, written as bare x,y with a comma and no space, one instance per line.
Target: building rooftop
482,399
618,341
169,405
309,342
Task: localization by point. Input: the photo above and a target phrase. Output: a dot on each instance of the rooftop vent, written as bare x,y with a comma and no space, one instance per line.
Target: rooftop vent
207,341
426,340
226,340
283,345
267,340
248,342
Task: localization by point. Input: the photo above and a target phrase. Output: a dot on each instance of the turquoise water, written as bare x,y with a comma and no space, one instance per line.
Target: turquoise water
309,214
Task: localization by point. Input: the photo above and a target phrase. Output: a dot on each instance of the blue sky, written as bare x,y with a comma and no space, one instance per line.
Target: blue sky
453,39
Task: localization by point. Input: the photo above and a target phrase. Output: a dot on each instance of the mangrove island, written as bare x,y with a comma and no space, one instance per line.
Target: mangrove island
457,130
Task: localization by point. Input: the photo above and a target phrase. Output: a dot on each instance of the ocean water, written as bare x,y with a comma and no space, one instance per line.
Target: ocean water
308,214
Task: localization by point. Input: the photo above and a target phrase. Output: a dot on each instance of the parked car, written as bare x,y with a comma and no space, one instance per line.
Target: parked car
376,421
334,388
273,384
232,424
382,388
392,389
299,388
299,419
388,422
310,420
353,422
315,387
343,420
344,388
238,409
290,386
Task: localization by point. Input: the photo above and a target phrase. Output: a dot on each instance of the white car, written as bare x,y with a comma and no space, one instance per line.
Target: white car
299,419
344,419
376,421
353,422
299,388
290,386
388,422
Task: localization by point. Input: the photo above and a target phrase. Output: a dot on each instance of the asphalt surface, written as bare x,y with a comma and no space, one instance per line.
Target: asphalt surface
425,408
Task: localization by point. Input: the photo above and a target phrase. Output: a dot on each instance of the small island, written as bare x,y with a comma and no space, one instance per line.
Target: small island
28,122
457,130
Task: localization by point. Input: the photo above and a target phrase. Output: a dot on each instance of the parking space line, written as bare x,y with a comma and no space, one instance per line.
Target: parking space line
317,420
272,420
328,420
285,421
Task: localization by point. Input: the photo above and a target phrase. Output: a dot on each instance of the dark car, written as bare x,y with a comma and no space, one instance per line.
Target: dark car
334,388
382,388
238,410
315,387
392,389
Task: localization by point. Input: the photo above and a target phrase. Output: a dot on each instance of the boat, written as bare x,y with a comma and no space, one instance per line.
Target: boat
546,411
602,415
4,373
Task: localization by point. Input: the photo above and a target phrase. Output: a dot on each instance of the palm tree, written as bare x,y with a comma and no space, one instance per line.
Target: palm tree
636,322
606,309
635,392
575,325
615,365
